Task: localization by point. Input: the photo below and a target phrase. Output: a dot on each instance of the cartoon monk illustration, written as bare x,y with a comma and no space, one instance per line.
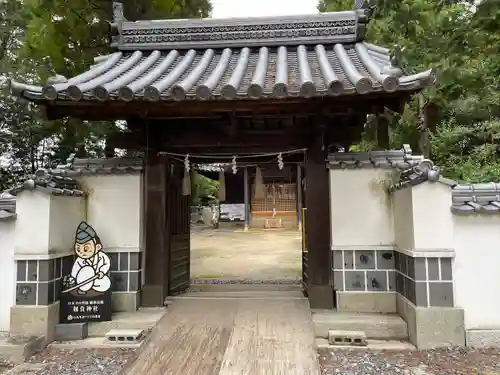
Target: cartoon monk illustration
90,272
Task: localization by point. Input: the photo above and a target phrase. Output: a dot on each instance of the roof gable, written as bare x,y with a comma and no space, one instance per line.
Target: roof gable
335,27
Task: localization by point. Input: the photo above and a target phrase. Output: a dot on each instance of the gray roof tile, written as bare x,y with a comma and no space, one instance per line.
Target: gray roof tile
42,181
79,166
476,198
393,159
234,73
7,207
412,170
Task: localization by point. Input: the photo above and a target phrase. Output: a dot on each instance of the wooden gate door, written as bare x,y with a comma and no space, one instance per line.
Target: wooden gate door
178,214
305,280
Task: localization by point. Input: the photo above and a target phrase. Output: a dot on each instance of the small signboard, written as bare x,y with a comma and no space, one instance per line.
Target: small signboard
232,212
86,290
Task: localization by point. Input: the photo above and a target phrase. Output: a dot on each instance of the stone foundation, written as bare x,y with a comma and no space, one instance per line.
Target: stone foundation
432,327
366,302
35,320
123,302
425,299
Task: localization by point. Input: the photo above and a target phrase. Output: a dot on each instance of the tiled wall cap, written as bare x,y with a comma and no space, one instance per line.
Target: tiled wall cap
483,198
98,166
42,181
421,171
393,159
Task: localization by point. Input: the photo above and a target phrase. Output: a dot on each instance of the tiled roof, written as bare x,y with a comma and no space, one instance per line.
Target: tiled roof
79,166
412,169
399,159
299,56
7,207
476,198
48,183
423,170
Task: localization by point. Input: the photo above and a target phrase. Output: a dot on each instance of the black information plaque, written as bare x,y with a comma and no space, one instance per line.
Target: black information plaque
86,290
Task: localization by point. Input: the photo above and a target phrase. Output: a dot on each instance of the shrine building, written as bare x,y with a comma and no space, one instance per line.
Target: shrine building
379,234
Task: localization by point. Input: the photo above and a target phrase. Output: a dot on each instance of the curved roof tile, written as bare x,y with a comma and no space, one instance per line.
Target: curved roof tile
234,73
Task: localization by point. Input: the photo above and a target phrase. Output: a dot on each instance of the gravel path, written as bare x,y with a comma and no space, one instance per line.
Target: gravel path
431,362
75,362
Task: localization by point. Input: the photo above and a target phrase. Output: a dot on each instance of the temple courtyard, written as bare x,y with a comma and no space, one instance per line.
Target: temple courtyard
254,256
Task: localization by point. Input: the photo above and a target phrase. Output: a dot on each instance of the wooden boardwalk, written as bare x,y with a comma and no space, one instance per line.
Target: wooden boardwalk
262,334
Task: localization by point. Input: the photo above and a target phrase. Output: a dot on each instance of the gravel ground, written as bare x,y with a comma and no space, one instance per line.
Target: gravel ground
431,362
76,362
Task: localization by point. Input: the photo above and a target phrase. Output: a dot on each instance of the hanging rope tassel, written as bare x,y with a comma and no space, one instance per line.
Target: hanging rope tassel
186,183
259,184
222,186
186,180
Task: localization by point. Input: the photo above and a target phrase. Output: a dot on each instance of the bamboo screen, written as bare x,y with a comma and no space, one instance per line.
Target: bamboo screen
283,197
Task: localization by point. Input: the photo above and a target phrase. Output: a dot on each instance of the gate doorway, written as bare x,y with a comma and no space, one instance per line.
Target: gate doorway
199,254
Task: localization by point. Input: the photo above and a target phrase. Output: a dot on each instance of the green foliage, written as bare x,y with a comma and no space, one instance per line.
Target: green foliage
204,190
68,34
461,43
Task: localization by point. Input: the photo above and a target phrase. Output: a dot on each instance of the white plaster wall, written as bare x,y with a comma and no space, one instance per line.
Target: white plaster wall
32,223
65,215
360,208
477,269
432,220
403,218
7,272
114,209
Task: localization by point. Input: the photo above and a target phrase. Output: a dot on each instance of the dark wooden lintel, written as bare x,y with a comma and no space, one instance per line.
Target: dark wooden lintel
93,110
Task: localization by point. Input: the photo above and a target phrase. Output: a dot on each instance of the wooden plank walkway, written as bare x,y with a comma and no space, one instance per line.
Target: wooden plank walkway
232,336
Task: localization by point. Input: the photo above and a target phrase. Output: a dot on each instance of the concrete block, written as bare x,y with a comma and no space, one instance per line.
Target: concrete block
125,335
71,332
483,338
356,338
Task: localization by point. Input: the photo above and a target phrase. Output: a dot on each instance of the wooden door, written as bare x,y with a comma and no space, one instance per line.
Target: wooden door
305,280
178,213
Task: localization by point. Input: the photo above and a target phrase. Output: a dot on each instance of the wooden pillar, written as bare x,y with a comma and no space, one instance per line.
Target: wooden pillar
299,196
383,139
321,295
156,180
246,198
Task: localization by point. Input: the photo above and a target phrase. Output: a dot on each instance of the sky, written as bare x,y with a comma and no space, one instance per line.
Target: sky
262,8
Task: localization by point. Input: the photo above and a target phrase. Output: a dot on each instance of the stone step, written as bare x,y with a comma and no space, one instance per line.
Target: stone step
144,318
285,295
245,287
375,326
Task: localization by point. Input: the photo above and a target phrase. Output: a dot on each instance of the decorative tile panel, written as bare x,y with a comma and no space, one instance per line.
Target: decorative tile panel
363,270
38,281
426,282
243,32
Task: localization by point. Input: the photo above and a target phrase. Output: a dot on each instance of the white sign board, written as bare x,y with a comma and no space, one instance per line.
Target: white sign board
232,212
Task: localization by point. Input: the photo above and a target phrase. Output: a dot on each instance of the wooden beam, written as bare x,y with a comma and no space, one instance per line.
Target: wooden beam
114,109
156,267
321,295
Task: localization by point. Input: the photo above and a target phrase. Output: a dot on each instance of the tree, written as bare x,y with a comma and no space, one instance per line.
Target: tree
465,98
68,34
